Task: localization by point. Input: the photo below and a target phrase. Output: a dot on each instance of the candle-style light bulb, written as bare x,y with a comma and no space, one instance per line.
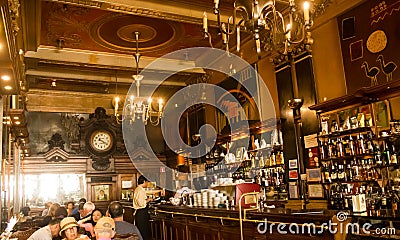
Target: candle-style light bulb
205,24
288,28
216,2
306,7
160,104
224,38
116,99
237,38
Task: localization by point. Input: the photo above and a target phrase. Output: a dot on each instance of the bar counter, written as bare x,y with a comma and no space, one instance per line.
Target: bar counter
181,222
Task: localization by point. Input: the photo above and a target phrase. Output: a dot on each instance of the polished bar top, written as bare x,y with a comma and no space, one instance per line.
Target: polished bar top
378,215
282,214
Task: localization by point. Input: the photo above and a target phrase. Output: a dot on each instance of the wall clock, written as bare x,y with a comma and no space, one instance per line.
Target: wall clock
101,142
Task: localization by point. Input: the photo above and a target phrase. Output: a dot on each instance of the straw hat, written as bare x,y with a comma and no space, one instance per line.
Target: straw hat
106,223
67,223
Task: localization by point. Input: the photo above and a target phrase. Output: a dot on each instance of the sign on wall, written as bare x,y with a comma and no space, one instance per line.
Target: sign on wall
370,39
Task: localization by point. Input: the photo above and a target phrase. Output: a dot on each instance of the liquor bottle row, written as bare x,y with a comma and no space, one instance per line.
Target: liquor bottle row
353,170
385,152
343,197
270,177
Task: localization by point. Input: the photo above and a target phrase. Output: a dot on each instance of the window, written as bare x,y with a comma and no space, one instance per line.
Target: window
60,188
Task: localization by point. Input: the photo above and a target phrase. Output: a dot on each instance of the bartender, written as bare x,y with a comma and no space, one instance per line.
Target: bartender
141,214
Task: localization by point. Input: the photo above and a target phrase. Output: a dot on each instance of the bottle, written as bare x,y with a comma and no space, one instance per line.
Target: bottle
369,143
378,157
339,148
395,200
322,150
349,173
333,173
383,202
386,154
325,170
393,158
341,173
352,146
331,149
361,144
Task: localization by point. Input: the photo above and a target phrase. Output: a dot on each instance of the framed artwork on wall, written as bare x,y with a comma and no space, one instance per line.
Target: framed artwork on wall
101,192
314,175
292,163
315,191
293,174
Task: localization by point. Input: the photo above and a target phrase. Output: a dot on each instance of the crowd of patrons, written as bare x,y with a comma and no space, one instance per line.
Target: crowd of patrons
84,222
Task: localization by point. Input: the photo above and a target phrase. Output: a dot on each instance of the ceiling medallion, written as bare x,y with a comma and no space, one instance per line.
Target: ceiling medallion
116,32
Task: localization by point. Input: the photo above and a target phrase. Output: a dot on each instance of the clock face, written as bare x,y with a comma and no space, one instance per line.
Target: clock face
101,141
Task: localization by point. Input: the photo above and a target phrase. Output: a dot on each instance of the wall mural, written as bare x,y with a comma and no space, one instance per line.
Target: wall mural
370,39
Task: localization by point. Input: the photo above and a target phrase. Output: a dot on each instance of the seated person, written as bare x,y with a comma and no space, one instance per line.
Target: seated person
50,215
116,211
88,208
69,230
105,228
46,208
96,215
79,213
76,209
48,232
70,207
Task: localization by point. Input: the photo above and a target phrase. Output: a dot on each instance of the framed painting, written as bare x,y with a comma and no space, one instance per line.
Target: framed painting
101,192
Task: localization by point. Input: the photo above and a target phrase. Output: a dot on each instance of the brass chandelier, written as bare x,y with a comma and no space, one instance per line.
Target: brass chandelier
277,30
137,107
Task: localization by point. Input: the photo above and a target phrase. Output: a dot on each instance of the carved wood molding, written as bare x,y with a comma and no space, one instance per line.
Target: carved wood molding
135,10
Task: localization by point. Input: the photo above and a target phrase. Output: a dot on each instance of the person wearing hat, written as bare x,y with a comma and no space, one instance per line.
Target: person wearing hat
69,230
105,229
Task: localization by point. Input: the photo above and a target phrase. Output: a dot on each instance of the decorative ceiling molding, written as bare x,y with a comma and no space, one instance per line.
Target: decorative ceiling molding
139,11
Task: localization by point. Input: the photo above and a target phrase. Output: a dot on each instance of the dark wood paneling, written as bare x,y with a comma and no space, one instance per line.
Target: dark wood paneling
285,93
306,85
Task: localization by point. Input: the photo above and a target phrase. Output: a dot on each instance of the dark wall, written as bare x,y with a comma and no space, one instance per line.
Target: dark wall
306,91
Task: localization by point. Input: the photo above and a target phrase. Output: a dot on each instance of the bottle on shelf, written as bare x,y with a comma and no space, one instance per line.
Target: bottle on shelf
369,143
378,156
333,173
349,172
339,147
322,150
331,149
341,173
361,144
386,155
326,174
351,146
393,157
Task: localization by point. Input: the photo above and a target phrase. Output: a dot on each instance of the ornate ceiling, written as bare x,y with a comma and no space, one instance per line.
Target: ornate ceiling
70,47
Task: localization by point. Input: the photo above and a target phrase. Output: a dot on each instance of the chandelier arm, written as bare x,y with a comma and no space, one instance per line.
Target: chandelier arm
209,39
217,12
303,35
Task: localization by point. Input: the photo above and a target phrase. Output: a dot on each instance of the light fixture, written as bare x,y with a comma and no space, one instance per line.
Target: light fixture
5,77
277,26
137,107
